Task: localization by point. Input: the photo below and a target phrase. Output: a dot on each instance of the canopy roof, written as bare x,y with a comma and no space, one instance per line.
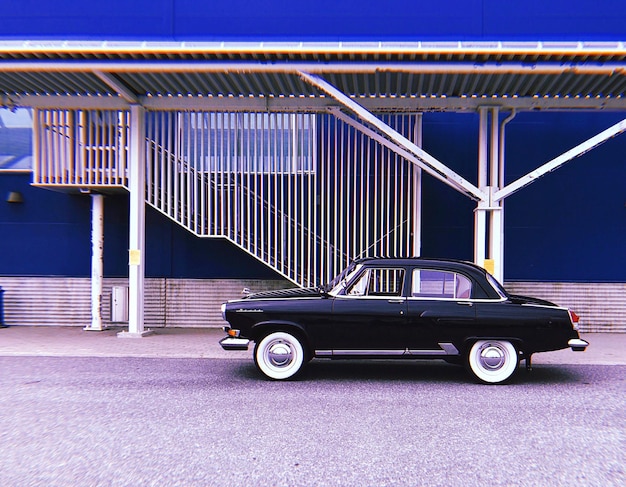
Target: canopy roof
407,76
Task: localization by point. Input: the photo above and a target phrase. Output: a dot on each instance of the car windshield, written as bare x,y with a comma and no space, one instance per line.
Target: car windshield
337,284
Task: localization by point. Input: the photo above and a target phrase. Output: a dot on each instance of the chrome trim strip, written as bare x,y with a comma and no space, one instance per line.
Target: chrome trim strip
323,353
359,353
446,349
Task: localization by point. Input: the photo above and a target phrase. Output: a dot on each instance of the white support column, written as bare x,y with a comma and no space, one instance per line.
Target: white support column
137,223
480,216
417,192
97,261
495,212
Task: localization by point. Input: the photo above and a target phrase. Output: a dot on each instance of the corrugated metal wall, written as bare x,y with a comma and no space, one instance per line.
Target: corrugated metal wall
601,306
64,301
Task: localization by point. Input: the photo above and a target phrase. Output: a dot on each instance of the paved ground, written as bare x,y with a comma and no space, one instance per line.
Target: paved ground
126,421
604,349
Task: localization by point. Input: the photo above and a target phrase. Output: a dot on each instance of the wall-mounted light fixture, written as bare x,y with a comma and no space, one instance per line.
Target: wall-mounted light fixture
15,197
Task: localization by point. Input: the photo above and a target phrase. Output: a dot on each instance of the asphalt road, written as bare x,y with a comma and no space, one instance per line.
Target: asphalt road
156,422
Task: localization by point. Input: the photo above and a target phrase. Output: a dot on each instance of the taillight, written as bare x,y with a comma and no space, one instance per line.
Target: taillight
575,319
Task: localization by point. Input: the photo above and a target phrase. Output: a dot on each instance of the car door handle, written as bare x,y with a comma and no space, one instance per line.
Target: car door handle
396,301
465,303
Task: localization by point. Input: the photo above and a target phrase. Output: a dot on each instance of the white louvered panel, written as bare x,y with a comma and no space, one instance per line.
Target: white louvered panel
601,306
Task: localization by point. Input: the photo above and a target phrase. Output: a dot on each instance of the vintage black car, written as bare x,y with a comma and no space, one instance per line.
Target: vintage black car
400,308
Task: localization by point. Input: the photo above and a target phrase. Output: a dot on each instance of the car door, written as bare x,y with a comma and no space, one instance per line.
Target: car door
369,318
440,311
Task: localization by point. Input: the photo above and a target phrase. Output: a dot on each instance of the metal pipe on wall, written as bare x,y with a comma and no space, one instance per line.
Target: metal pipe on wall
97,261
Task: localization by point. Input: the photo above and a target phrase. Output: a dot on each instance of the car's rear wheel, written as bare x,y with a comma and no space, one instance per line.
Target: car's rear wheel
492,361
279,355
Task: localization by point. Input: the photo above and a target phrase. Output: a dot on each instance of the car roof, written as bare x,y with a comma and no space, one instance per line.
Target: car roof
448,264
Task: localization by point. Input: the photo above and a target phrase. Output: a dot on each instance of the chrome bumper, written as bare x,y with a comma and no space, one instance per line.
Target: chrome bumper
578,344
232,343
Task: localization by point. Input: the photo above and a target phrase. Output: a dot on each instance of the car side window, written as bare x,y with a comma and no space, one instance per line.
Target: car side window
430,283
386,282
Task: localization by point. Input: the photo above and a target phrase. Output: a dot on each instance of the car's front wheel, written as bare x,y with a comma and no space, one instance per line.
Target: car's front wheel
279,355
492,361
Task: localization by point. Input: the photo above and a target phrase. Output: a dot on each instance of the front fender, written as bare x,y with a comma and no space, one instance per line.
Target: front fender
259,330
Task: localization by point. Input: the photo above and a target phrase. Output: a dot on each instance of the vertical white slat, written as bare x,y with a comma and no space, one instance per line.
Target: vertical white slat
203,176
49,146
399,196
356,199
243,177
312,223
218,206
81,175
230,172
70,144
91,143
333,238
36,140
63,152
249,190
177,124
284,198
259,220
150,172
55,146
220,139
274,168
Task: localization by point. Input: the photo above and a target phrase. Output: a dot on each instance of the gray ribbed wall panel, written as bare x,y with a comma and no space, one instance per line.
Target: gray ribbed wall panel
63,301
601,306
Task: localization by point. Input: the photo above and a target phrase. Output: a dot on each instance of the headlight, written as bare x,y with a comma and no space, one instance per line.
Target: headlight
223,308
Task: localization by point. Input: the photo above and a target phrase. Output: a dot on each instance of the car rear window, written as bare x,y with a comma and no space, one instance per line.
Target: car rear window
431,283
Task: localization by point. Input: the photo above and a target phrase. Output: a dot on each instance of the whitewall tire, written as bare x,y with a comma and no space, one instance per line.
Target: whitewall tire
493,361
279,355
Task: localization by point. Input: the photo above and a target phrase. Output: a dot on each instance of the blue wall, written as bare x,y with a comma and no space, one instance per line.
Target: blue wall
568,226
315,20
50,234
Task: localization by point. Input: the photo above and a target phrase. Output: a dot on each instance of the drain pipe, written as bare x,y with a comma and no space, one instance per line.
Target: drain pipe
97,263
501,180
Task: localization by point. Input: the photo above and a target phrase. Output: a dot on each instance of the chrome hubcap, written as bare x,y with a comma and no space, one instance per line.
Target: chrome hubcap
492,357
279,354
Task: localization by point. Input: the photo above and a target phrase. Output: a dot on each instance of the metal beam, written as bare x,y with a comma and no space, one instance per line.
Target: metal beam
609,69
406,104
428,162
117,86
559,161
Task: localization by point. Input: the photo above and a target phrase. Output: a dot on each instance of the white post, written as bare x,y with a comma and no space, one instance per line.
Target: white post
495,213
417,191
97,261
480,216
137,223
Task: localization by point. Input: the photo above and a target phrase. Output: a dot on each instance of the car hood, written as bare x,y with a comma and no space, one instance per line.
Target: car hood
528,300
287,293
